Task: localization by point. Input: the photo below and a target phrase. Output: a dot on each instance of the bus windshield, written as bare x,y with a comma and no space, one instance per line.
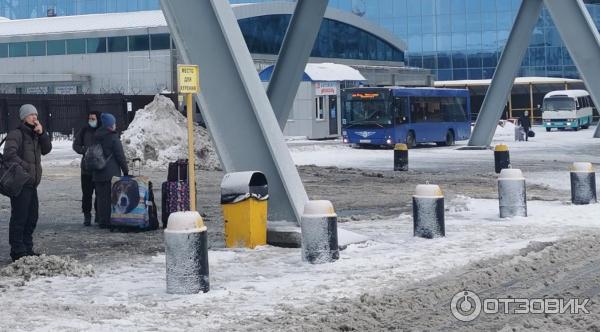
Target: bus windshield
368,108
559,103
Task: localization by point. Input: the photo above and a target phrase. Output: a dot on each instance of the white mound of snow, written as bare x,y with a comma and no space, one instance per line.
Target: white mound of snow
505,129
158,135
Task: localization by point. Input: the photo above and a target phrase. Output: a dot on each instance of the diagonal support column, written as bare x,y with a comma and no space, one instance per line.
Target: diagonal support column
233,100
580,35
504,76
293,56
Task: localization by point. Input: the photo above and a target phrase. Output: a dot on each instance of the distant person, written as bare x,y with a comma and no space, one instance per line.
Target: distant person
526,124
83,140
25,146
108,138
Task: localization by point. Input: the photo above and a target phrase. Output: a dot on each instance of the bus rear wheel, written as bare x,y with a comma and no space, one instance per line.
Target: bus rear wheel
449,139
548,129
411,142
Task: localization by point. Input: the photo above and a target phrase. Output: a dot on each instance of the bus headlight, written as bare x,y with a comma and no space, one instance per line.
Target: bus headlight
345,140
568,123
548,123
388,141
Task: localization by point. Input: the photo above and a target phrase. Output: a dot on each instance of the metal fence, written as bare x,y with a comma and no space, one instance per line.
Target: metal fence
67,113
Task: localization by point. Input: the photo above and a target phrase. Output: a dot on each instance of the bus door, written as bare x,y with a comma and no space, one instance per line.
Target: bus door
401,117
333,115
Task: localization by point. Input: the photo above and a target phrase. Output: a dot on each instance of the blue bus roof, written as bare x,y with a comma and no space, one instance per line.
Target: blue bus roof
421,92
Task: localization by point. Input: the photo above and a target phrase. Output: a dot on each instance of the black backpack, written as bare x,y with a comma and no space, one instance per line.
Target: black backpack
12,176
93,159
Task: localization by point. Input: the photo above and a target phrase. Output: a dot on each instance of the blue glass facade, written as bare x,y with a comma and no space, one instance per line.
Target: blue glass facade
20,9
462,39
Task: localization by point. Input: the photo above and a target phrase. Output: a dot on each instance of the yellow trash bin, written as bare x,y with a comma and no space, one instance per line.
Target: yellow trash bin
244,197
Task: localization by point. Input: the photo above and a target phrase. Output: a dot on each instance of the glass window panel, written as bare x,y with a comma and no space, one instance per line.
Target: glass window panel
36,48
444,75
117,44
459,60
460,74
429,61
443,23
537,56
489,58
414,25
160,41
502,5
399,8
443,6
488,40
504,20
459,23
3,50
96,45
475,74
474,22
428,24
428,7
487,73
76,46
474,60
459,41
413,8
474,6
567,60
488,20
571,72
444,61
458,7
56,47
552,38
553,56
415,44
17,49
429,43
139,43
474,40
444,42
415,61
488,6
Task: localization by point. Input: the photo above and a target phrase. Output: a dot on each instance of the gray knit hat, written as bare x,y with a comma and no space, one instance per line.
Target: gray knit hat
26,110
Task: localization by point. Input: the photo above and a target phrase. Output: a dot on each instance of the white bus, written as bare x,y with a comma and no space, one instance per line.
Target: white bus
567,109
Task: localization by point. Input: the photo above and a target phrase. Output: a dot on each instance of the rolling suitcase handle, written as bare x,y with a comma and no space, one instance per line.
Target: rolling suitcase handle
139,168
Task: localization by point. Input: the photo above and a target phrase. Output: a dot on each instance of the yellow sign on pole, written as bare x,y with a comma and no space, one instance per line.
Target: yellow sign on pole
188,79
189,83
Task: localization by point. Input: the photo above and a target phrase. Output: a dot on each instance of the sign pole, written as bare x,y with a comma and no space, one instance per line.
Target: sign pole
188,80
191,153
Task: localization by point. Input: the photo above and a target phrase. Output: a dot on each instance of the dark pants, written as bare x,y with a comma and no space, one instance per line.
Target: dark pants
23,219
526,133
103,199
87,189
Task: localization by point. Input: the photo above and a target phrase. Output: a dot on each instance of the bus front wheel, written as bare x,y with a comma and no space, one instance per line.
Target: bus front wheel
411,142
449,139
548,129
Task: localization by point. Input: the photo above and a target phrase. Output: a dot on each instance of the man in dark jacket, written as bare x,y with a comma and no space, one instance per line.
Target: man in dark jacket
116,162
83,140
25,146
526,124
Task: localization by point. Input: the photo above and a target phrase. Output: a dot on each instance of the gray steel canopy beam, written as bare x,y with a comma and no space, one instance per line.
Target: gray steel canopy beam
233,100
580,35
506,71
293,56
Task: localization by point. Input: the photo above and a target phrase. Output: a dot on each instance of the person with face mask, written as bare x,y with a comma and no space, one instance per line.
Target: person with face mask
25,146
83,140
116,162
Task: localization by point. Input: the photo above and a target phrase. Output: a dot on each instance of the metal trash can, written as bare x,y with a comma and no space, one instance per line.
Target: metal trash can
244,198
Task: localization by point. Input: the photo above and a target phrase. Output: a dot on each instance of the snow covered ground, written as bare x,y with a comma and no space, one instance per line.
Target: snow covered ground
130,294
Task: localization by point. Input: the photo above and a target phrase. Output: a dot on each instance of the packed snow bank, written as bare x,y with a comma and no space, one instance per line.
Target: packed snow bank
46,266
505,129
158,135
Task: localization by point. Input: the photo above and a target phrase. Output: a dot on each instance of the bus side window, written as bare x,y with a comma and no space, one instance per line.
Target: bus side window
400,111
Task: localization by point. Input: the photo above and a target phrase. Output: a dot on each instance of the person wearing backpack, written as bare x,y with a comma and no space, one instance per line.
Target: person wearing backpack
115,162
83,140
25,146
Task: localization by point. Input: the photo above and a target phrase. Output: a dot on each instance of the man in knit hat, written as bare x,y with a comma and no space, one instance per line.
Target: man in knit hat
25,146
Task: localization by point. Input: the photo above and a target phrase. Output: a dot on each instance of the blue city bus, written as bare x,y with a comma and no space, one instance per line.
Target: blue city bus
390,115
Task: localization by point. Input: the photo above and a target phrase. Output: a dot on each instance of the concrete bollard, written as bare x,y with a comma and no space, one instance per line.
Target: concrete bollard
400,157
186,246
319,233
583,183
512,194
428,212
501,157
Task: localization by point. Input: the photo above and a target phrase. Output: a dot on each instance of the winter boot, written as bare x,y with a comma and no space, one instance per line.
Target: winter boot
87,220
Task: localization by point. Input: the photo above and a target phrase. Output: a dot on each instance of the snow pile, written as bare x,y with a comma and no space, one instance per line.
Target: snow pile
46,266
505,129
158,135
